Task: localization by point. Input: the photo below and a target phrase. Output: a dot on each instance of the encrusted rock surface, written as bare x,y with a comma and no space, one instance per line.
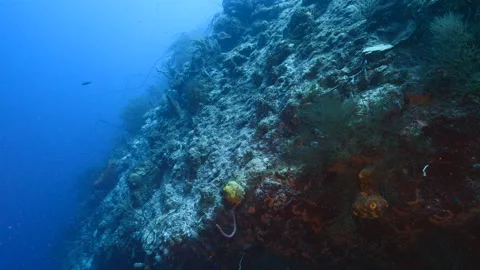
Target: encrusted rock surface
237,110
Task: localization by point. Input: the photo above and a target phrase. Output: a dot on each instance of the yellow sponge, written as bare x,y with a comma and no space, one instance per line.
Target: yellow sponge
234,193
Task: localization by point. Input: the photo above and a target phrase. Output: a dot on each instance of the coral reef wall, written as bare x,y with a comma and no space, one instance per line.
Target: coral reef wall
314,133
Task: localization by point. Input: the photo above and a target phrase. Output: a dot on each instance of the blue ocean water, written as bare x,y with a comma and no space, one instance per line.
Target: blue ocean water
52,126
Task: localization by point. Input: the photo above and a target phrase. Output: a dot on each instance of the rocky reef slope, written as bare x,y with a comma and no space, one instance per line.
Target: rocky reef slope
316,133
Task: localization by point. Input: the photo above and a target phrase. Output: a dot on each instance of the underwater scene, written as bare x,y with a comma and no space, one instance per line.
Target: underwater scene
240,134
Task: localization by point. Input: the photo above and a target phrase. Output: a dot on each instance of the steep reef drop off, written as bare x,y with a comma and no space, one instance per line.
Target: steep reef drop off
303,134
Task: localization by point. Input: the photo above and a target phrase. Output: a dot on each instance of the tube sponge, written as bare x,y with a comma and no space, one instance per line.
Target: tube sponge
369,203
369,206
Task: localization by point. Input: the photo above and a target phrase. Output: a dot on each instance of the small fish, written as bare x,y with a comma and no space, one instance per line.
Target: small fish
86,83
